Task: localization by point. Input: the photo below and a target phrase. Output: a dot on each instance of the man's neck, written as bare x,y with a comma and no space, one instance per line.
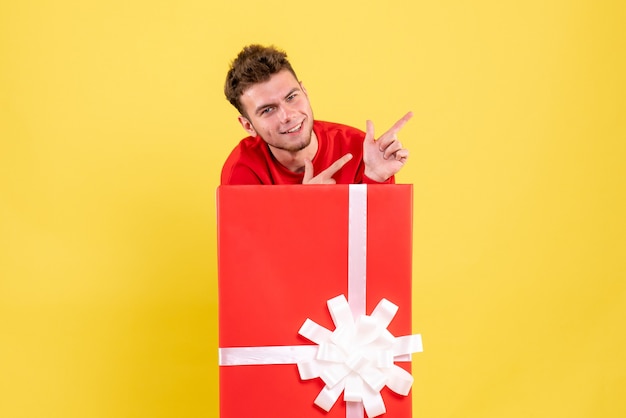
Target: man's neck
294,161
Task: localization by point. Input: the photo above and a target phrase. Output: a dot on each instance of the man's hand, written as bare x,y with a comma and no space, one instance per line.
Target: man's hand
326,176
385,156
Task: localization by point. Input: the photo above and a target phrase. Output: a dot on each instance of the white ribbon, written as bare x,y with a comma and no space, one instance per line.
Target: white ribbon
357,248
357,358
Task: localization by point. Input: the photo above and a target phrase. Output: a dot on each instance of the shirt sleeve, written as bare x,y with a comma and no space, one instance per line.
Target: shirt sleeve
367,180
239,175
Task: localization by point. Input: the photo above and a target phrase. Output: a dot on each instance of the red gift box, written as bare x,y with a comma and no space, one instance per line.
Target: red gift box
283,252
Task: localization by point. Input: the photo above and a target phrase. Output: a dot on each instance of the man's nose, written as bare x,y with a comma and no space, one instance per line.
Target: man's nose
285,112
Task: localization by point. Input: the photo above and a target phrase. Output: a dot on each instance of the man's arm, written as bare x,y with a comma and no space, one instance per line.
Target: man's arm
239,175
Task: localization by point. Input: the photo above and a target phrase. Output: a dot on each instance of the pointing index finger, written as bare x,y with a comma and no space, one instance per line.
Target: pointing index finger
337,165
400,123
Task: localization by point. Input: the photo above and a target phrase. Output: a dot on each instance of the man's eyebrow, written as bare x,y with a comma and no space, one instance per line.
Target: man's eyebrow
263,106
292,91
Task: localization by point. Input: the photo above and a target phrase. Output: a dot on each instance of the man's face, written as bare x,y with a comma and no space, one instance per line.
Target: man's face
279,112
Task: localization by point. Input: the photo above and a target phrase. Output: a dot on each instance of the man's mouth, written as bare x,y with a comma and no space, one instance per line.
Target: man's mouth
294,129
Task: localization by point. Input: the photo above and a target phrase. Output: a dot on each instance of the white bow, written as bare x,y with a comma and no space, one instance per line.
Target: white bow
357,358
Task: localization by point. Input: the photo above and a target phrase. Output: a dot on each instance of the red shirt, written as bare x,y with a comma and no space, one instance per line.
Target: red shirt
251,162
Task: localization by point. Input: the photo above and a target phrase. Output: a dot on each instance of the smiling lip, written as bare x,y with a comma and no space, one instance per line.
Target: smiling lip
294,129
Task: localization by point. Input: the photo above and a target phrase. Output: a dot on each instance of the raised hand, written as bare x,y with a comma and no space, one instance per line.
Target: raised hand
326,176
384,157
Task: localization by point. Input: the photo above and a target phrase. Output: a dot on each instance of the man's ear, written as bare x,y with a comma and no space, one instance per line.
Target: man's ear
247,125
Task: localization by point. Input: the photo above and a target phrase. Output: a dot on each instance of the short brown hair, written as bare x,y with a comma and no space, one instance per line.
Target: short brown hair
254,64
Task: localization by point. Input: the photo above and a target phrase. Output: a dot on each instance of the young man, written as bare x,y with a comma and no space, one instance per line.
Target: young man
286,145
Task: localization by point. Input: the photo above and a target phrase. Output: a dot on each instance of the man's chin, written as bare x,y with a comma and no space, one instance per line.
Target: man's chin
301,147
297,146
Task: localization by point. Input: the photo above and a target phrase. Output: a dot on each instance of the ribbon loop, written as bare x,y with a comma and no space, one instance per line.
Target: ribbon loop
340,311
353,389
330,352
384,312
314,332
374,378
368,329
328,396
373,403
343,336
400,381
335,374
309,370
408,344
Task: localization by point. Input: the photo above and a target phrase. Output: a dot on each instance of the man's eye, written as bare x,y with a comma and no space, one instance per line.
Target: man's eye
266,110
291,97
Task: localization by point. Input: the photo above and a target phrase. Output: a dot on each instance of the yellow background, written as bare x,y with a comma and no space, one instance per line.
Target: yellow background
114,129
